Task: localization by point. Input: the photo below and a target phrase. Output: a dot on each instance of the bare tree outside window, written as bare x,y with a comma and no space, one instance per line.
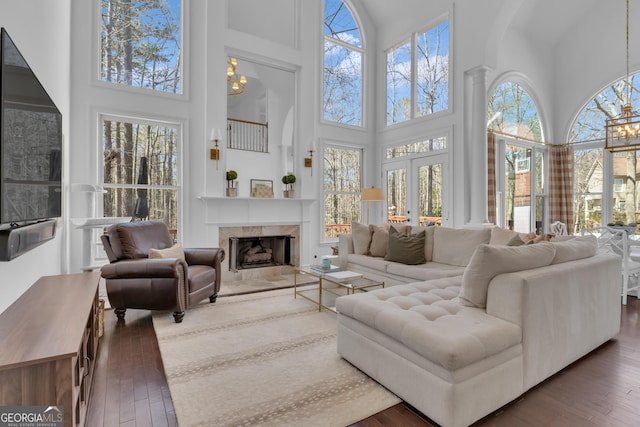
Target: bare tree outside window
140,171
342,71
342,189
590,126
141,44
412,95
512,112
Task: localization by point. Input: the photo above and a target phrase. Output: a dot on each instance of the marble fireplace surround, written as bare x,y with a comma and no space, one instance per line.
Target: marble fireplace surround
224,233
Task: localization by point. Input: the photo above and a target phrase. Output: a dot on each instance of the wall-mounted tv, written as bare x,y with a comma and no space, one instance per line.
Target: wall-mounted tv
30,143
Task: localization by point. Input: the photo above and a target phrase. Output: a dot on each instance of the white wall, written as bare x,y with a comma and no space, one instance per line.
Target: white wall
289,36
40,29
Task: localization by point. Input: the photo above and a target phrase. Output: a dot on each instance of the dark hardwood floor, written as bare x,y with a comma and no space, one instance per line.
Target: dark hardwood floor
603,388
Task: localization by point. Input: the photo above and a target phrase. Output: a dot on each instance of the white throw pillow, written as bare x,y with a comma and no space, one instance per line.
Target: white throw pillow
501,236
454,246
361,235
379,240
490,260
577,248
174,251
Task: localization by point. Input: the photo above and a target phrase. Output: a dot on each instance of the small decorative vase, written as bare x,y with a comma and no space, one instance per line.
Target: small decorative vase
291,194
232,192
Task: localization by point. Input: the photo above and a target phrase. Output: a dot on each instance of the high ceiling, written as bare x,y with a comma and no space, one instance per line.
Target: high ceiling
544,20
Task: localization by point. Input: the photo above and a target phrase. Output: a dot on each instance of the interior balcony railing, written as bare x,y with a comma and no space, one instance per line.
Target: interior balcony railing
248,136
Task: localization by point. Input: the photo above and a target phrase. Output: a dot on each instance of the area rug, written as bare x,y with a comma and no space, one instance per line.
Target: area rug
262,359
247,286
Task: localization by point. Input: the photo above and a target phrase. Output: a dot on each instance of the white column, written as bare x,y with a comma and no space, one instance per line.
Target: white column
476,148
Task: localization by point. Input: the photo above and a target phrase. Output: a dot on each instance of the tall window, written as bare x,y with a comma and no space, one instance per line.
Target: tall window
342,188
418,75
521,181
343,60
140,169
141,44
596,203
511,111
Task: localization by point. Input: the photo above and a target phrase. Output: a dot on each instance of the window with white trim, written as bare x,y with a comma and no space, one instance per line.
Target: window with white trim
342,178
140,169
141,44
343,65
418,75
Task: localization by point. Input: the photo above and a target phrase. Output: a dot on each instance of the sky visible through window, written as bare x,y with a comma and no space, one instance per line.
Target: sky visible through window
342,72
141,44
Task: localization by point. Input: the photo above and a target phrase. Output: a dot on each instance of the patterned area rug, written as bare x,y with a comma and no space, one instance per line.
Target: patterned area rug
262,359
238,287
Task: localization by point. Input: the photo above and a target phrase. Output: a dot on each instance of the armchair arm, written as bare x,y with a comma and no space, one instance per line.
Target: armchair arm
144,268
204,256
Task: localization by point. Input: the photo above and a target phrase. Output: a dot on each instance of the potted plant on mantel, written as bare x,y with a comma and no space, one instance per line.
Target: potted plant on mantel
288,181
232,191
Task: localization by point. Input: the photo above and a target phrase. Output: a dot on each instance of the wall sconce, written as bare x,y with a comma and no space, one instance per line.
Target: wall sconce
214,153
308,161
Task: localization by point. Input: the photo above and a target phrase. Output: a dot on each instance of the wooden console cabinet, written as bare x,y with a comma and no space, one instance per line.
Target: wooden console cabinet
49,343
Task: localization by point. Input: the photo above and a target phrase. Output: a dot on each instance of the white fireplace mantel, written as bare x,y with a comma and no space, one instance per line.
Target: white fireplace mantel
225,211
221,213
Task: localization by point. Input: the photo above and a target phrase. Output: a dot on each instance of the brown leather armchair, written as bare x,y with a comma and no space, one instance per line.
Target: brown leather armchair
136,281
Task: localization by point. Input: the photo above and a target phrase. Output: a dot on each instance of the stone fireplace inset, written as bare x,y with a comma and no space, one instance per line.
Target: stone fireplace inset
259,251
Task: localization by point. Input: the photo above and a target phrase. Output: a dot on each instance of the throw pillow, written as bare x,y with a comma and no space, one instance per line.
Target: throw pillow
361,235
577,248
379,240
502,236
174,251
428,239
406,249
455,246
490,260
516,241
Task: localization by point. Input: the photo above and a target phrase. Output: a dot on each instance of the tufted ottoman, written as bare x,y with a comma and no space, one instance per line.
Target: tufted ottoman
431,351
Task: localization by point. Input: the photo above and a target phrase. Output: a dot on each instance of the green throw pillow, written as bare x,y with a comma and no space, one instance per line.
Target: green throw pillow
406,249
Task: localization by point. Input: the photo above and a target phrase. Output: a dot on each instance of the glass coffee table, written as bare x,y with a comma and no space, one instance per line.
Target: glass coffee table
328,289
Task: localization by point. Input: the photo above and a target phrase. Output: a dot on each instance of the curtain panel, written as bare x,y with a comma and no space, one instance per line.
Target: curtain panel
561,185
491,178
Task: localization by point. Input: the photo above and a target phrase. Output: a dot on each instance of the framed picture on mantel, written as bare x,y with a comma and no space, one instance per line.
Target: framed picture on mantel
262,188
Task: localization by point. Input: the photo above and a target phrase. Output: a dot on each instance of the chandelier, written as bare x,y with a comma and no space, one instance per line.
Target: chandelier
235,84
623,132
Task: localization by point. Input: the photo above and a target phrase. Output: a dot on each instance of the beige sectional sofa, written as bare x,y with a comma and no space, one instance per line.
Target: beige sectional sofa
446,251
458,348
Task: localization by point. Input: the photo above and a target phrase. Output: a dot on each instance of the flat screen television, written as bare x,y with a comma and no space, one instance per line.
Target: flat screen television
30,143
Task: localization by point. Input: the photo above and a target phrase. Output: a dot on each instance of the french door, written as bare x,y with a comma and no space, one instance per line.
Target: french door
520,172
417,190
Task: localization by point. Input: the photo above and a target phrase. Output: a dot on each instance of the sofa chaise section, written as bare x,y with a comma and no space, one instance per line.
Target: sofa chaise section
457,363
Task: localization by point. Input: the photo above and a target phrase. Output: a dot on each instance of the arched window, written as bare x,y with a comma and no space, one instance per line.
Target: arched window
511,111
589,124
520,159
605,188
343,64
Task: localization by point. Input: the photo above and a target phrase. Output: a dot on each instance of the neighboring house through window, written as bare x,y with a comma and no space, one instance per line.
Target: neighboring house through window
604,183
520,166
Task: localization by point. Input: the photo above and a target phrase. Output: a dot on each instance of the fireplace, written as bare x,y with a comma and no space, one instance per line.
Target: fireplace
259,252
276,250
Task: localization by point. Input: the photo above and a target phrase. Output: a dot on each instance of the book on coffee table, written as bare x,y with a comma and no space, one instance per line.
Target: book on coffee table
343,276
318,268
